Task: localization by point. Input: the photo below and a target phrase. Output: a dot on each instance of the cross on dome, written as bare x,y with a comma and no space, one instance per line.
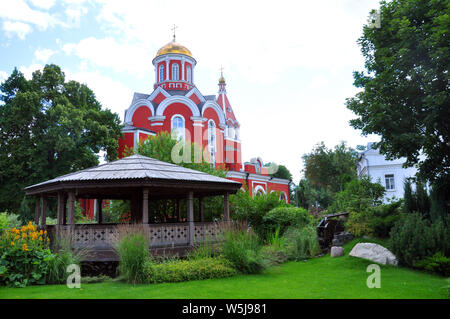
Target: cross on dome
173,29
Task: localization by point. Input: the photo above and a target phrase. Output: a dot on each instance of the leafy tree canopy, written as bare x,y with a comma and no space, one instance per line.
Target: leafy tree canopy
330,169
282,172
49,127
405,96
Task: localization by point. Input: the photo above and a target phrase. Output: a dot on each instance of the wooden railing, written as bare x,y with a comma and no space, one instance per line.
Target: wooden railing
103,236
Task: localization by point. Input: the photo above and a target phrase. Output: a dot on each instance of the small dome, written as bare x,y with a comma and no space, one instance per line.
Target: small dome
173,47
222,79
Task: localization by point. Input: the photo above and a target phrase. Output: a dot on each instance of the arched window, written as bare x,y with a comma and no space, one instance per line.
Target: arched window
178,126
212,141
188,74
175,69
161,73
283,197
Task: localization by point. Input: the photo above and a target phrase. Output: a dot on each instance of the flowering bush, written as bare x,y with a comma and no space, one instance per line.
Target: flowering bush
24,256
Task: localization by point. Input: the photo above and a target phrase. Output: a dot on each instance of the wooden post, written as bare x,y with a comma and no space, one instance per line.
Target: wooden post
145,206
71,209
64,220
43,210
190,216
37,207
61,206
200,205
226,207
98,208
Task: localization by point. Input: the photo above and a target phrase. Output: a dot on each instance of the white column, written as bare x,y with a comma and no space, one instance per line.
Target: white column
167,69
182,70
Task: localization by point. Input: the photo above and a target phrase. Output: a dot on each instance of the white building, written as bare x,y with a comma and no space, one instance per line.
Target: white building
390,174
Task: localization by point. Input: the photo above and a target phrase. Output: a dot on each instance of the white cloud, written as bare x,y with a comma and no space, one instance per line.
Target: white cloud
44,4
107,52
3,76
28,70
18,10
43,55
112,94
19,29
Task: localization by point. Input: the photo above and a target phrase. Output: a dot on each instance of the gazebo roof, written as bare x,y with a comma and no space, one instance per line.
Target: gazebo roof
136,171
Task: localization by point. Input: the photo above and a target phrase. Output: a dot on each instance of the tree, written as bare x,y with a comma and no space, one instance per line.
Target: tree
330,169
49,127
405,96
282,171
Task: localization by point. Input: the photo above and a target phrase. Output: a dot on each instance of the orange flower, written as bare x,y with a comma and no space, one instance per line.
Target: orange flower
24,235
12,243
25,247
40,238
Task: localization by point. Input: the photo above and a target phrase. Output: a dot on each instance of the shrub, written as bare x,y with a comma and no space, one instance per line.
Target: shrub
283,217
275,251
413,238
133,250
382,218
243,250
24,256
437,263
301,243
185,270
8,220
65,256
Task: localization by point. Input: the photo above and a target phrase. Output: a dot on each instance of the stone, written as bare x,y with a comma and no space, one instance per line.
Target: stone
375,253
337,251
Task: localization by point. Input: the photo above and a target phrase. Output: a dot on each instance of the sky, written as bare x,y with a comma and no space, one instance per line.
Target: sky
288,65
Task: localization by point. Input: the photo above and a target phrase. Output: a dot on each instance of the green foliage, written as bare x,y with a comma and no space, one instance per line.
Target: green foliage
358,196
280,218
243,207
382,218
24,256
118,211
413,238
49,127
404,89
282,171
438,263
243,249
330,169
186,270
275,250
308,195
301,243
8,220
133,251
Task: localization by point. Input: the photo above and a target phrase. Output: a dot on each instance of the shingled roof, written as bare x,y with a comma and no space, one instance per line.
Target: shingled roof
136,169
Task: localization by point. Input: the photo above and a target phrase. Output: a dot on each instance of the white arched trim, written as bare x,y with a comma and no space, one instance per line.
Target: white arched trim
177,99
216,108
259,188
285,196
130,112
183,133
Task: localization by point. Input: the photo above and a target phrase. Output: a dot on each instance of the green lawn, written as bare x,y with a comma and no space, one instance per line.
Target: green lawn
324,277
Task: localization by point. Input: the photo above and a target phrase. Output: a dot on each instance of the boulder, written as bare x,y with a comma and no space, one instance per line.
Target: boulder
375,253
337,251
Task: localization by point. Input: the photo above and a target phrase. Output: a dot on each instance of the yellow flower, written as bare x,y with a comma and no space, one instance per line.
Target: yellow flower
45,232
24,235
12,243
25,247
16,237
40,238
41,232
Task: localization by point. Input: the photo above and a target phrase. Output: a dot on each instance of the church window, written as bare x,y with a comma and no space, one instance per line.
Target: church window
161,73
212,141
178,127
188,74
175,70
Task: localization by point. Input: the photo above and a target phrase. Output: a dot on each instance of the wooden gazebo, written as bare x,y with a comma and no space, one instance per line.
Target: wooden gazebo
139,179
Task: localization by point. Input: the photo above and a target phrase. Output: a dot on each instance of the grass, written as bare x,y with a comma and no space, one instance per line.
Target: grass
324,277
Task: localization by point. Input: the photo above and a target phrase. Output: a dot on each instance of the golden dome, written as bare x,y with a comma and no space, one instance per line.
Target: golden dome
222,79
173,47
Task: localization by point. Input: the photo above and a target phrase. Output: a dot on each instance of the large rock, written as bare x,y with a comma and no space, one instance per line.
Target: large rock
336,251
375,253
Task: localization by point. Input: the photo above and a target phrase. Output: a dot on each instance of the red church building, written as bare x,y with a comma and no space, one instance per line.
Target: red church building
177,105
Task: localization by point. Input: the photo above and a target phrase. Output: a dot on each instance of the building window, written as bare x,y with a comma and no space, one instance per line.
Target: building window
188,74
175,70
161,73
390,183
178,127
212,141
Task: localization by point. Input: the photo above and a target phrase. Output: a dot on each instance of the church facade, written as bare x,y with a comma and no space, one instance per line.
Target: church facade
177,105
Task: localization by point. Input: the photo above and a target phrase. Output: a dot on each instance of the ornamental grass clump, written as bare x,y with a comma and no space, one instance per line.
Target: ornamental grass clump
24,256
301,243
243,249
132,246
